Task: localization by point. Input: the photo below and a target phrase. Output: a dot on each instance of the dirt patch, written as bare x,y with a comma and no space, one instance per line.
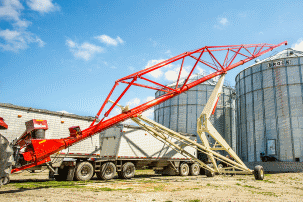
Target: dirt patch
147,186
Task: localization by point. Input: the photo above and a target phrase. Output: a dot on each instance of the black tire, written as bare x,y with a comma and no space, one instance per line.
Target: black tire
202,171
128,171
184,169
194,169
108,171
209,173
84,171
62,174
259,172
5,180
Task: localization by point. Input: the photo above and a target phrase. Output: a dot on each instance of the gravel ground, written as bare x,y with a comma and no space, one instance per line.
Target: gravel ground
147,186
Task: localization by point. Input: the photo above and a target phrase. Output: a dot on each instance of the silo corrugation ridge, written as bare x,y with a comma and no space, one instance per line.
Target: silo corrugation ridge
181,112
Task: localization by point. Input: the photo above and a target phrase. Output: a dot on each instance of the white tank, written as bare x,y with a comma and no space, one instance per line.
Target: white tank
181,112
270,109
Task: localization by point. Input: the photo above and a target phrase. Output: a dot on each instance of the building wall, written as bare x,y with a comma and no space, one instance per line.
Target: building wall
56,129
269,108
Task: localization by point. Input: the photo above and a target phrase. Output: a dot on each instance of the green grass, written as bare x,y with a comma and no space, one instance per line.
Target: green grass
248,186
265,193
268,181
159,188
195,200
296,179
208,185
50,184
62,184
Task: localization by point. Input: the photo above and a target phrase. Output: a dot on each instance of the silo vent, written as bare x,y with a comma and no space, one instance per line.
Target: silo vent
291,52
257,60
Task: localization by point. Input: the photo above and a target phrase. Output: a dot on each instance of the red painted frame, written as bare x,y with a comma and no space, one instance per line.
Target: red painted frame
42,149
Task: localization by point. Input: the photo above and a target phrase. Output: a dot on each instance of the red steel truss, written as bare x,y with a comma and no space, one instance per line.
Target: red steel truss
42,149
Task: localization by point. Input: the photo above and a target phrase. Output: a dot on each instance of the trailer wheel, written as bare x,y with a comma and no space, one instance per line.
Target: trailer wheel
128,171
209,173
4,181
84,171
108,171
194,169
184,169
259,172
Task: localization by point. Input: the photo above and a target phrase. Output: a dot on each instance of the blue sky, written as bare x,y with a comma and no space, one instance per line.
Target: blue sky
66,55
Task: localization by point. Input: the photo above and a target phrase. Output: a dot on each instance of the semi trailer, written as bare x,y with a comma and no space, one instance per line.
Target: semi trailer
122,149
30,151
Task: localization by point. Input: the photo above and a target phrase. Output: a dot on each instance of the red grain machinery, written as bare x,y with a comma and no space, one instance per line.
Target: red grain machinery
32,149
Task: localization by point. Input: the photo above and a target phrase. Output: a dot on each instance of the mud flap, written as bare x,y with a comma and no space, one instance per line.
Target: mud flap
6,159
71,173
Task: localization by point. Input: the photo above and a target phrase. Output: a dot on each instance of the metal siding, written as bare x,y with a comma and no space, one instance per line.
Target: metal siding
56,128
267,79
293,75
297,133
249,107
182,119
166,117
280,76
247,71
269,103
258,104
285,139
256,68
256,81
248,87
160,115
282,101
244,142
174,118
191,119
295,100
277,108
185,108
271,129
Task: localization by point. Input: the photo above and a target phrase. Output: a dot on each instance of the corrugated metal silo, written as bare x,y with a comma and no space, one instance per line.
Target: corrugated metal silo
181,112
270,109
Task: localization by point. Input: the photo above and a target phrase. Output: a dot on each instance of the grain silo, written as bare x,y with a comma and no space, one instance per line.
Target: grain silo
181,112
270,109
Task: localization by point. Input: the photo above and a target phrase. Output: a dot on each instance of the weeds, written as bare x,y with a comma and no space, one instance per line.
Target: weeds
268,181
265,193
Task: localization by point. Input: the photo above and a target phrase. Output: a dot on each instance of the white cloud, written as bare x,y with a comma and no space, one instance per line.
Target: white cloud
65,112
298,45
42,6
148,113
131,68
223,21
19,38
11,9
134,102
156,73
201,71
172,75
84,51
109,41
16,40
149,98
